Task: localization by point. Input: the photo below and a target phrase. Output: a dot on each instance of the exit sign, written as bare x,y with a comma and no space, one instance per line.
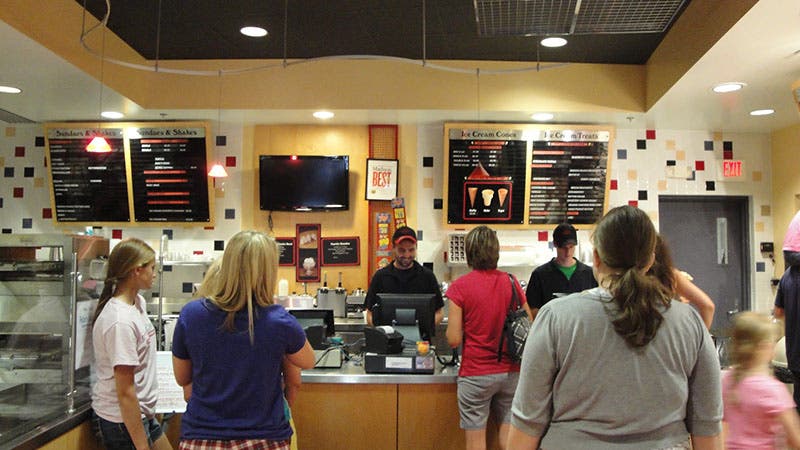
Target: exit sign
732,168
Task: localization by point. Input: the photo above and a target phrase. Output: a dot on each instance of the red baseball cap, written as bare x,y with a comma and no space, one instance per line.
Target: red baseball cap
403,234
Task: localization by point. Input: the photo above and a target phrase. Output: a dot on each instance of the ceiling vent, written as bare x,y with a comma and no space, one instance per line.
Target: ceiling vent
9,117
562,17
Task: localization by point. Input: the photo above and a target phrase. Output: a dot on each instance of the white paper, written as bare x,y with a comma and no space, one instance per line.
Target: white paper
83,335
170,394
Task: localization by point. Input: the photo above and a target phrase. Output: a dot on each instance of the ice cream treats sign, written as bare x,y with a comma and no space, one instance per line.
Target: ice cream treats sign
486,176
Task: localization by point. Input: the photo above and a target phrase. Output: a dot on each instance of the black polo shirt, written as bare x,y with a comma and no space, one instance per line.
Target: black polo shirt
548,279
391,280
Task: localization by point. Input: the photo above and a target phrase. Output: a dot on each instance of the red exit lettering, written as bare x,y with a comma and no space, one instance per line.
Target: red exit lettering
732,168
381,178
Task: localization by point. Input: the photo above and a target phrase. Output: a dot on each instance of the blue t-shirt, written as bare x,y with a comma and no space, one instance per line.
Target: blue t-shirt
236,386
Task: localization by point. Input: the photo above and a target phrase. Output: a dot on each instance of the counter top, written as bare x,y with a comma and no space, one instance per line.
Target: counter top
352,372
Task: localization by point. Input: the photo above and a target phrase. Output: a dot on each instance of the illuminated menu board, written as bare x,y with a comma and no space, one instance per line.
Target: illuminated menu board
154,173
168,172
486,176
523,175
87,186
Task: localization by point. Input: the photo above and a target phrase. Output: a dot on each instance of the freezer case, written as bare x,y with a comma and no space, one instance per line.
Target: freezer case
47,296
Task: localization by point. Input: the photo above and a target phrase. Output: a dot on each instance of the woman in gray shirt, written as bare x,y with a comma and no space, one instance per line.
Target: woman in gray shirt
620,366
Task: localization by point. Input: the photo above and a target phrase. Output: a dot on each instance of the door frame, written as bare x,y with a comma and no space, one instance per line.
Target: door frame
745,241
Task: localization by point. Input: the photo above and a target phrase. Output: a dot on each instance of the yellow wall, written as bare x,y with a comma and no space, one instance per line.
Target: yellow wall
785,185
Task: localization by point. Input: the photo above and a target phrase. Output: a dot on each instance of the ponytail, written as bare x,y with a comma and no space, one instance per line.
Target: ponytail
639,300
124,258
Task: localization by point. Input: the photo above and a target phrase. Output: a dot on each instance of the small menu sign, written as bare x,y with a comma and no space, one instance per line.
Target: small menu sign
87,187
286,248
343,251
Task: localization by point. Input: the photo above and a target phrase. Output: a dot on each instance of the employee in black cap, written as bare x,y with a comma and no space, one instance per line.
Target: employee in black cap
562,275
404,275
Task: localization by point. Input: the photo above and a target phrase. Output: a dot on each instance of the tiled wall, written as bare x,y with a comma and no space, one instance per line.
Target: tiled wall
641,165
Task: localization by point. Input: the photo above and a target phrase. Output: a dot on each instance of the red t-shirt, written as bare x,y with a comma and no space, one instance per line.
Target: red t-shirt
484,297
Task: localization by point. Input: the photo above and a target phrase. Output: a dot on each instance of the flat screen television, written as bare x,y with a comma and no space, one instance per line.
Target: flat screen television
304,183
407,311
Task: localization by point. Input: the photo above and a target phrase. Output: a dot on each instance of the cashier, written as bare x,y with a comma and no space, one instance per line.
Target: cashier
404,275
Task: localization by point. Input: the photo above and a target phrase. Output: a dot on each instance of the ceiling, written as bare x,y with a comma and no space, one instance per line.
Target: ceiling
761,49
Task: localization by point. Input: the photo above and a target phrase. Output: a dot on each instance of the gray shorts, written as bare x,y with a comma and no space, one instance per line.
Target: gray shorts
479,394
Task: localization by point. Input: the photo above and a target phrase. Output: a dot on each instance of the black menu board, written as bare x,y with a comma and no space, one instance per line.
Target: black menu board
486,176
286,248
168,171
342,251
568,176
87,186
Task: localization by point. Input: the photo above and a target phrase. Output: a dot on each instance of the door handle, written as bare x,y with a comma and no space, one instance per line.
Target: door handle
732,312
722,241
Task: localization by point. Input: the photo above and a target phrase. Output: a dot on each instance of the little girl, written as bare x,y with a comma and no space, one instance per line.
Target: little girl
757,406
125,392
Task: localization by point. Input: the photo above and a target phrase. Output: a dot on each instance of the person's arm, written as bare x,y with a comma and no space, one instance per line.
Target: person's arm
455,325
791,426
778,312
519,440
439,316
292,380
706,442
303,358
187,392
129,405
696,297
183,370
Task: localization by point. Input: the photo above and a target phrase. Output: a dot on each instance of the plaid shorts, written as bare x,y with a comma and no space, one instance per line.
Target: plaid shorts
239,444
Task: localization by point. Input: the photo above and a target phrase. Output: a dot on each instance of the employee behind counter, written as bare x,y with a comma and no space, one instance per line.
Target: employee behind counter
404,275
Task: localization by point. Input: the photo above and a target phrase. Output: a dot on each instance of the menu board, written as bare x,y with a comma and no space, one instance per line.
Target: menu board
568,176
341,251
168,170
286,248
523,175
87,187
154,173
486,176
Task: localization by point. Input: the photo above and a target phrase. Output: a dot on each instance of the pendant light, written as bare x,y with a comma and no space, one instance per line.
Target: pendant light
99,144
217,171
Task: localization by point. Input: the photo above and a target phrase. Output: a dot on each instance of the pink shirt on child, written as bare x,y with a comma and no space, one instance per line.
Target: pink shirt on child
791,240
753,416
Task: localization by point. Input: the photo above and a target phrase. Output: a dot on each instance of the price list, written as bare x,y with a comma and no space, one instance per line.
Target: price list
486,176
88,186
568,177
168,171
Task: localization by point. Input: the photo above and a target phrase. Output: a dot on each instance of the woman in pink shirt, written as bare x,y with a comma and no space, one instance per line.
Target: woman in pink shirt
757,406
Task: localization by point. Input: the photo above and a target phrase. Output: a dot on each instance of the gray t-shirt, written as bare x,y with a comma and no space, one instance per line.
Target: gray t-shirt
580,378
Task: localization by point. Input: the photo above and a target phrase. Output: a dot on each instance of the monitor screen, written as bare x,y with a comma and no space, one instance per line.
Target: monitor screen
311,317
407,310
304,183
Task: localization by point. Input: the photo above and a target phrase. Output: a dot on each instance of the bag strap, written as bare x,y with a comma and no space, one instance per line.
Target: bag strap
512,306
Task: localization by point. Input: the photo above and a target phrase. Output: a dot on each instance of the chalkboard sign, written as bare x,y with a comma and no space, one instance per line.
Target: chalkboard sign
87,187
522,175
286,247
170,180
154,173
342,251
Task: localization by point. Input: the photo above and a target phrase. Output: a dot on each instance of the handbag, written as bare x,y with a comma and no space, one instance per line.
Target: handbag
515,328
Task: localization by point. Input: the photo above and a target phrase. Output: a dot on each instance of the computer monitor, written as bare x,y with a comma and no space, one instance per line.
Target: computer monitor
315,317
413,313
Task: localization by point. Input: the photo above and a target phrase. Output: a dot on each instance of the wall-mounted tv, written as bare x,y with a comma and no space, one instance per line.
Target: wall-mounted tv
304,183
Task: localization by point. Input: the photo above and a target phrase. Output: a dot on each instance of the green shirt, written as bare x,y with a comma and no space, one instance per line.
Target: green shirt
568,271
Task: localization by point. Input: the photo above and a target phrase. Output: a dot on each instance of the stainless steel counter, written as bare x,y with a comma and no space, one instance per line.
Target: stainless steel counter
353,373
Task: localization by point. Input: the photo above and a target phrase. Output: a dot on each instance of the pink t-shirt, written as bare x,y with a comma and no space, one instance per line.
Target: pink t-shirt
791,241
483,296
753,418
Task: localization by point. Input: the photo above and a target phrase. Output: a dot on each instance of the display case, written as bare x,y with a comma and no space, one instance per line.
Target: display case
47,297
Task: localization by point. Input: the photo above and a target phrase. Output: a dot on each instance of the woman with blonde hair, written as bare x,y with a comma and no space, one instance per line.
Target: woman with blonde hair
125,391
757,406
230,346
620,366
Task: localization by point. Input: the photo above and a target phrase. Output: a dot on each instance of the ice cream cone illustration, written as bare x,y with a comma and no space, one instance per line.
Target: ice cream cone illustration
487,195
472,191
501,196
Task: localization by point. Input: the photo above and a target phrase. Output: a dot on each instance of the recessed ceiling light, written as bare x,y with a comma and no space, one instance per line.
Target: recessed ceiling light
728,87
542,116
323,115
10,90
553,42
112,115
762,112
253,31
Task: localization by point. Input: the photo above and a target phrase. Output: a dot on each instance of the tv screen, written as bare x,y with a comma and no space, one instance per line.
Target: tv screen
304,183
413,312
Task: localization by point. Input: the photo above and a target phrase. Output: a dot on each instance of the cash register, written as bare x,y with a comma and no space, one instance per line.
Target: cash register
401,320
319,327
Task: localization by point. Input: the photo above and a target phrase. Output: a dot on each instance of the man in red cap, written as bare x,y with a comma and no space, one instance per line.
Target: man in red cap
563,275
404,275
